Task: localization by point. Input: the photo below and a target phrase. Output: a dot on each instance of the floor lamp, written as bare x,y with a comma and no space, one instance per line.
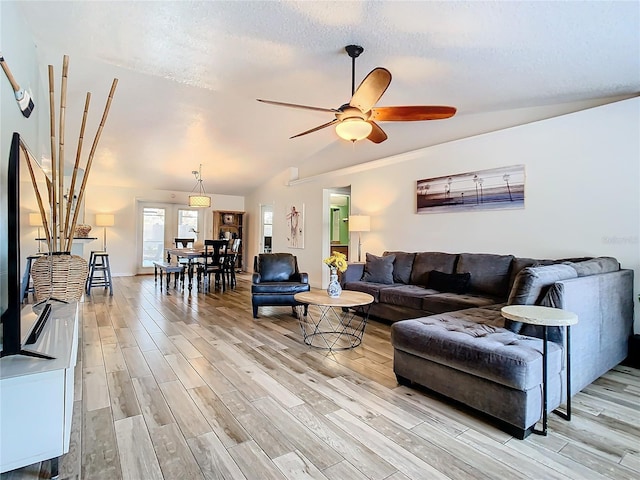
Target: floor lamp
104,220
359,223
35,220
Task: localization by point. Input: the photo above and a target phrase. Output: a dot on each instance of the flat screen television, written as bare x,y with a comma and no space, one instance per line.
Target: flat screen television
11,307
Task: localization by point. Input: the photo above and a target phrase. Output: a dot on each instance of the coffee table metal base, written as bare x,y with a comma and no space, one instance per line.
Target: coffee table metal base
333,328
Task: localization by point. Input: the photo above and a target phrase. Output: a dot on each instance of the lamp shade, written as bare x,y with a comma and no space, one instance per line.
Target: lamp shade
105,219
353,129
199,201
198,197
359,223
35,220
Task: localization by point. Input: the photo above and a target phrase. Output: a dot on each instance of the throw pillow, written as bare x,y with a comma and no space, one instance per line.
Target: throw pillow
521,262
449,282
378,269
531,285
402,266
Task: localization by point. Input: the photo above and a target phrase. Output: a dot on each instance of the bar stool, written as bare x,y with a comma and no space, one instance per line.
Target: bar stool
26,288
99,272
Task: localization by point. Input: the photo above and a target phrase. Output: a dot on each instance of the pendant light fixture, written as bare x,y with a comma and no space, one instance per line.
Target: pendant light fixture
198,197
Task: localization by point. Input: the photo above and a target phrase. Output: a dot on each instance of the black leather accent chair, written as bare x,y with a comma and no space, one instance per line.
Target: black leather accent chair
276,280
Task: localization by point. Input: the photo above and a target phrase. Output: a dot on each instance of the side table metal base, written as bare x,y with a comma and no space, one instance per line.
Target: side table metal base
547,317
567,350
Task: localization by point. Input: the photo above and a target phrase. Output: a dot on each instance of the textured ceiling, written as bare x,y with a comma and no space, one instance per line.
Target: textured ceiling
189,74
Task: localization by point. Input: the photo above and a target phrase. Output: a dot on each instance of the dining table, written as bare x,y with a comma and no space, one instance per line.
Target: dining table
191,254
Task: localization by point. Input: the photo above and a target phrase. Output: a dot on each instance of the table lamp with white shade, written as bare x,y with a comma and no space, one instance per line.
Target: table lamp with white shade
105,220
359,223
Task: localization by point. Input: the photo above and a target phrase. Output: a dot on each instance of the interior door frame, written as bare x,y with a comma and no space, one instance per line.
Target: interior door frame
262,208
326,234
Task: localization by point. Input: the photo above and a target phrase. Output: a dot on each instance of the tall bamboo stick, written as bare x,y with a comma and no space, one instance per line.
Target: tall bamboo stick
53,194
91,154
61,125
50,245
74,176
37,192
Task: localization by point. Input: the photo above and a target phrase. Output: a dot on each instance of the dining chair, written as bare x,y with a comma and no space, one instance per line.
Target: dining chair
231,263
235,245
215,253
183,242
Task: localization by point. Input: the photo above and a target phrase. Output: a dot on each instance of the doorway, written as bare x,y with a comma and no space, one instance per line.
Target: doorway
266,228
159,224
339,207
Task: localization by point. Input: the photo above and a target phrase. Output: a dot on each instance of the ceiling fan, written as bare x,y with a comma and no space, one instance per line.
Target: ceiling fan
356,120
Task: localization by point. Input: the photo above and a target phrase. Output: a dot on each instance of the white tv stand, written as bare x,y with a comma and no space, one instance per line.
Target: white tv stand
36,395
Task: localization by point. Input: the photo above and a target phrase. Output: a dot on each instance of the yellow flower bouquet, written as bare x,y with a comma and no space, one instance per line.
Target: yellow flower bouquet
337,260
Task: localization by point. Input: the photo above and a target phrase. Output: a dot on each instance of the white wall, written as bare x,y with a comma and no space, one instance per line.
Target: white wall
582,195
19,52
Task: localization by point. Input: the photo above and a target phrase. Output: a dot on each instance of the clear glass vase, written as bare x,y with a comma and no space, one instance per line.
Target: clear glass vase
334,290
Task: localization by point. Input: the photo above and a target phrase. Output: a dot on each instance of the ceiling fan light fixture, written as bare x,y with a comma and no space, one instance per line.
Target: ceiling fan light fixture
353,129
358,119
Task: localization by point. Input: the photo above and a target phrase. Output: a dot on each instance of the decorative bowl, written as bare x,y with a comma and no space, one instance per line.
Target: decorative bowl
82,231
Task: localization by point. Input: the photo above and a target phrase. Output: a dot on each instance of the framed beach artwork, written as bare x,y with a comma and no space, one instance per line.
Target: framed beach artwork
295,224
497,188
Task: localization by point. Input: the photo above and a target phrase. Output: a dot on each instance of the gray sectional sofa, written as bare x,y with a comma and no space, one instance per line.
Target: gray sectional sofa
449,336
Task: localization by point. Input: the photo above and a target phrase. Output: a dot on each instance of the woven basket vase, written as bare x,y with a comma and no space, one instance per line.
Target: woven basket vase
62,277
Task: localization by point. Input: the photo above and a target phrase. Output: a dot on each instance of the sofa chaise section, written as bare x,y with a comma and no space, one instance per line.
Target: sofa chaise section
480,364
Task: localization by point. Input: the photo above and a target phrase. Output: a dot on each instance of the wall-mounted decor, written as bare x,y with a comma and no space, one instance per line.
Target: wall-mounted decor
497,188
295,222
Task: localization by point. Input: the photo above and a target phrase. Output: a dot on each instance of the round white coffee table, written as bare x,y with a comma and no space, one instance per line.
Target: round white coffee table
546,317
341,321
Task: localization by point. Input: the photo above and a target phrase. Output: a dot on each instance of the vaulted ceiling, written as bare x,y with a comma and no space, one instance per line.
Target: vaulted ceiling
190,72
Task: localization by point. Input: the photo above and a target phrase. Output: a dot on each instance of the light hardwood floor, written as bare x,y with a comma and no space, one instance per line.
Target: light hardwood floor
172,386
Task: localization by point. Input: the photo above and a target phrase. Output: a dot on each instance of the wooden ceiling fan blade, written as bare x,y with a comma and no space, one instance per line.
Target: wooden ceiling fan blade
412,113
295,105
328,124
371,89
377,135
